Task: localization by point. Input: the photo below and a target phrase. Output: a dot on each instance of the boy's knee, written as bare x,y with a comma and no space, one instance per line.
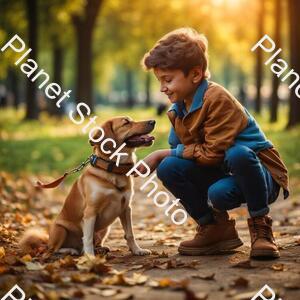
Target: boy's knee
166,167
239,156
216,195
221,198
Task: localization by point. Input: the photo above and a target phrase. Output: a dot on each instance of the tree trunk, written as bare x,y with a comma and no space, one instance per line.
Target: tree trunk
226,71
129,87
84,25
4,94
242,89
148,90
294,8
32,110
14,86
57,77
259,57
274,101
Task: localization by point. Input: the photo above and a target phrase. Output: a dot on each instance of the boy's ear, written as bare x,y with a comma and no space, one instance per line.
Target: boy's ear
197,74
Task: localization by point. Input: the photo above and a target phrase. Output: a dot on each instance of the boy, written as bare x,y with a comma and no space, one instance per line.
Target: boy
219,156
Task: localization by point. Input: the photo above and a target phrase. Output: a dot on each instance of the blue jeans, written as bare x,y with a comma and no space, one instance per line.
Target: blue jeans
240,179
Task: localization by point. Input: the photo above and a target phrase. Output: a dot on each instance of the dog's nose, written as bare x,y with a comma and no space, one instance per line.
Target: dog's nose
151,122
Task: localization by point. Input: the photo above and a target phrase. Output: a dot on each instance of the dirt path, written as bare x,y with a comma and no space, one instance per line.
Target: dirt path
164,274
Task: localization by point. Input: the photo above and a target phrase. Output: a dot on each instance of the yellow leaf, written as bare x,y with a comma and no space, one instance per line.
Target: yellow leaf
26,258
2,252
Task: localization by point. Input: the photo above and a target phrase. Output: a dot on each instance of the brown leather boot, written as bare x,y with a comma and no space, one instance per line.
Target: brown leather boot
213,238
262,240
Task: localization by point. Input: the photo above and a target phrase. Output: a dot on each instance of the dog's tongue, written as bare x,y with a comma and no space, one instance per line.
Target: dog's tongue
144,137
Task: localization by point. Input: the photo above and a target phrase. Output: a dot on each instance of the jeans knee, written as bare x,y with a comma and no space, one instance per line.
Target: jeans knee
222,197
216,195
239,156
165,168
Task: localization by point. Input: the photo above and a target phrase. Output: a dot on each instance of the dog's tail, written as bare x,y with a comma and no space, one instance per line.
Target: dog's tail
33,241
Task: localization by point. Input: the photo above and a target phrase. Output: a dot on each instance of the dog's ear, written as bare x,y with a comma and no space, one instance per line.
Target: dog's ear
96,135
108,133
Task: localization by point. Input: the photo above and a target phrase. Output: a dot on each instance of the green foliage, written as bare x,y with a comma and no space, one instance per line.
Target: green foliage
50,146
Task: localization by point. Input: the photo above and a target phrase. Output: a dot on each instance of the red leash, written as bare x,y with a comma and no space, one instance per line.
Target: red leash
56,182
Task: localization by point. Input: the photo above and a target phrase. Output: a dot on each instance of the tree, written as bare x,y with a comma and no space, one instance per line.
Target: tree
13,86
294,8
84,24
13,19
274,101
57,38
259,57
148,89
32,110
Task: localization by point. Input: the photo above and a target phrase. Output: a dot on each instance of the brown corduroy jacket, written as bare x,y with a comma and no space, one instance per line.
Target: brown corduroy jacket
216,121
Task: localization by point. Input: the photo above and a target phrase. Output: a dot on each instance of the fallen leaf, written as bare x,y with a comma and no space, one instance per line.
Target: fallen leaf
245,296
52,295
84,278
124,296
34,266
2,252
11,260
245,264
67,262
93,263
278,267
26,258
135,267
117,279
138,279
163,255
240,282
4,270
190,295
173,263
204,276
78,294
108,292
167,282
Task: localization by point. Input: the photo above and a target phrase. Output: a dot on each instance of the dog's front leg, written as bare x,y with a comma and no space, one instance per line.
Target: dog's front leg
126,221
88,226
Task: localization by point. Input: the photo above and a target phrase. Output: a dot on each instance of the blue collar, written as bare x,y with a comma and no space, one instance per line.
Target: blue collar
197,100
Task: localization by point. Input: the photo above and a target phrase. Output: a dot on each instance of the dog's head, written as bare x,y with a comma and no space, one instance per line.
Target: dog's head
124,129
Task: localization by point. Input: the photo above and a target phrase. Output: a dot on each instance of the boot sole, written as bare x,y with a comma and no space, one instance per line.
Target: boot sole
264,253
213,249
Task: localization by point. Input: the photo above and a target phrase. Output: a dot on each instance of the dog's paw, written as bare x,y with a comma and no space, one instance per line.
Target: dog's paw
102,250
89,252
141,252
70,251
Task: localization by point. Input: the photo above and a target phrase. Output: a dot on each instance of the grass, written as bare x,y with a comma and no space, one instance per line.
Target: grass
52,146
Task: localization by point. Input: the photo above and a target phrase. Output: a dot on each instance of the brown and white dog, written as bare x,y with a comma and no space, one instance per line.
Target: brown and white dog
100,195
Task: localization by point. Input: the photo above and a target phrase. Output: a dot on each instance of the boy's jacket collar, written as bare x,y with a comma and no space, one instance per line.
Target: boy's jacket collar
197,100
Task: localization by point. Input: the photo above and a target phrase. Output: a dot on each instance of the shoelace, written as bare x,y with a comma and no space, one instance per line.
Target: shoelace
262,231
201,229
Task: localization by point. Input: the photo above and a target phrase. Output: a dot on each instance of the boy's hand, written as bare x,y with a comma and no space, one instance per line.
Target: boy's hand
153,160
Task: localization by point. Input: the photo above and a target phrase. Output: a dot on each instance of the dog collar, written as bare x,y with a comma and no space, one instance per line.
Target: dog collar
110,166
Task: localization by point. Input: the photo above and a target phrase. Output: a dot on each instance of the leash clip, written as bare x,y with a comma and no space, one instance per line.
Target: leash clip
93,160
80,167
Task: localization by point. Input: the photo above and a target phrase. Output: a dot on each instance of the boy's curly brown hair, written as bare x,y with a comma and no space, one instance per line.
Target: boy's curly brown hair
182,49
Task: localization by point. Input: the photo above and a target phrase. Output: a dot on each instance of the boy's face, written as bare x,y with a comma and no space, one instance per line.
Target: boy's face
176,85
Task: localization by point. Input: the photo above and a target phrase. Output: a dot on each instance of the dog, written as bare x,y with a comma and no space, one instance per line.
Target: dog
100,195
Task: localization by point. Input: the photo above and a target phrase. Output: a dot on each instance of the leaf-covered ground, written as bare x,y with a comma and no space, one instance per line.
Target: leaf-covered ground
119,275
